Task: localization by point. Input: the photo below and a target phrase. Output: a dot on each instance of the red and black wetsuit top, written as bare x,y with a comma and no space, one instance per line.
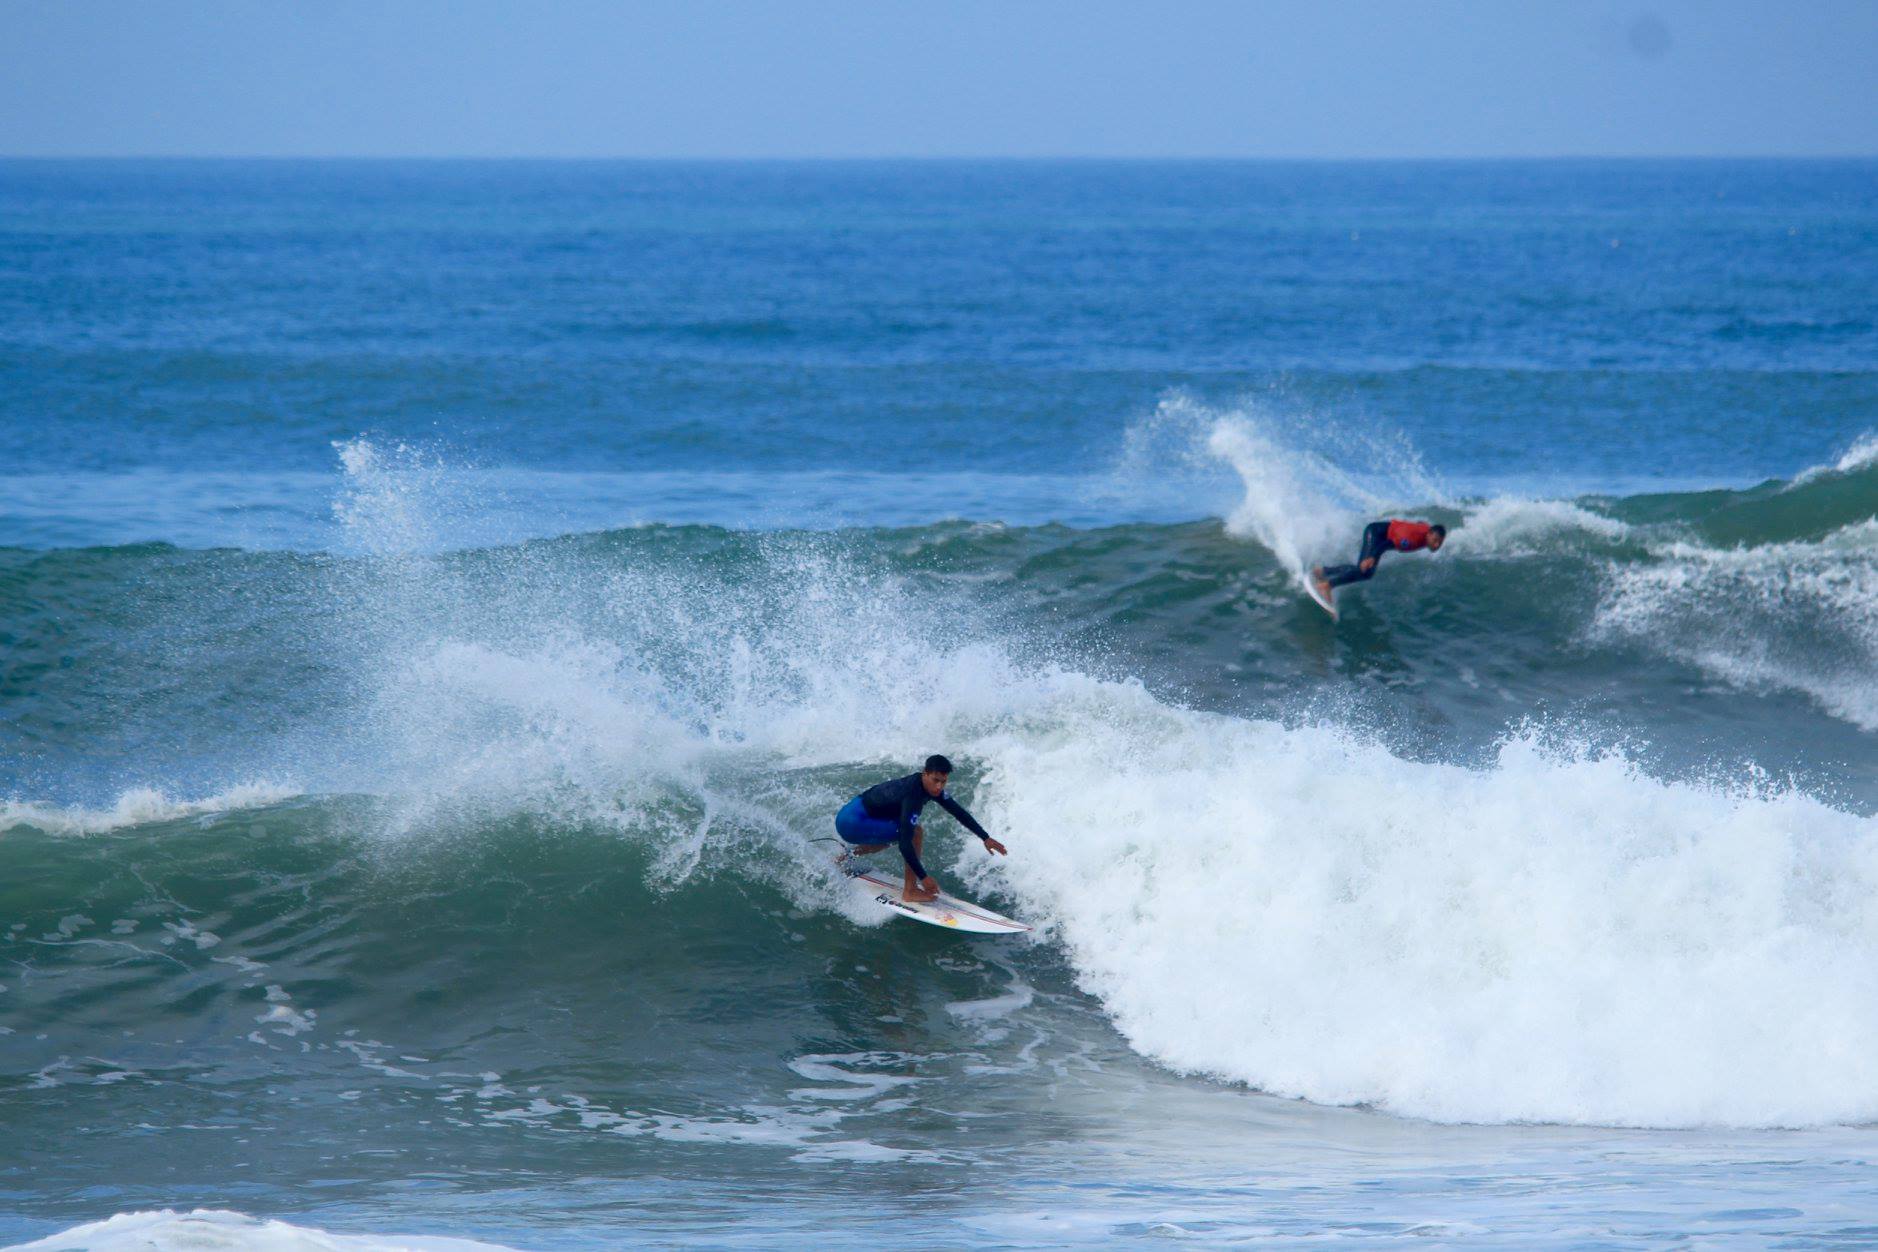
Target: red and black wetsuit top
1407,536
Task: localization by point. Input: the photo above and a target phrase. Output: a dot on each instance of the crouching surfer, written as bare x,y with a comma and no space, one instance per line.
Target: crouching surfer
1394,535
888,812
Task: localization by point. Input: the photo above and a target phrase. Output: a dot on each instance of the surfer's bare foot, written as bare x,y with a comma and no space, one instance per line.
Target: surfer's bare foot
926,889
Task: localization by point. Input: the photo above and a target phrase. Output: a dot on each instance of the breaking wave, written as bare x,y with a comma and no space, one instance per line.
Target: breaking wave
1551,932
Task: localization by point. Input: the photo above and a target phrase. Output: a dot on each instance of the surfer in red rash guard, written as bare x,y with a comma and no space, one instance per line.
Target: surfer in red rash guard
1379,537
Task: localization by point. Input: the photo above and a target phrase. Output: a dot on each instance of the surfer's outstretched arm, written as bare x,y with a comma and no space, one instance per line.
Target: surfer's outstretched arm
970,823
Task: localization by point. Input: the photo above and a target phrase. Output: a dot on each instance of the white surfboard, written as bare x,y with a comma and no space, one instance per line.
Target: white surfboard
1324,601
948,910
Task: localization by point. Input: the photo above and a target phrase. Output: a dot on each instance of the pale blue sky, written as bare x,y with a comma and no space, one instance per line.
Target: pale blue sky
839,78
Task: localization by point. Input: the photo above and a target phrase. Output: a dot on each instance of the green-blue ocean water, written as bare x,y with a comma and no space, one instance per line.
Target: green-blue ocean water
442,606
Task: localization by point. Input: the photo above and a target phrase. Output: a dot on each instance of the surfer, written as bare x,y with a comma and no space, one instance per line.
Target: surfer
888,812
1379,537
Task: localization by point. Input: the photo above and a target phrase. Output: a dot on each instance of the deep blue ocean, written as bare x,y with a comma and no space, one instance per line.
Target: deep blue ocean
442,605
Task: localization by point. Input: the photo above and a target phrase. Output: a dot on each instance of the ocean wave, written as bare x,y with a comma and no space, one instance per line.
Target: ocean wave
1555,934
1559,936
1794,616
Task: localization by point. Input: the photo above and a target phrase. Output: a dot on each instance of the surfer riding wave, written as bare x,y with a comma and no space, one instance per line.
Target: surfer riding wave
888,812
1394,535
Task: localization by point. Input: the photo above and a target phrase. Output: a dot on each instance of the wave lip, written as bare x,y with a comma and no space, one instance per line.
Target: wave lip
139,806
1863,454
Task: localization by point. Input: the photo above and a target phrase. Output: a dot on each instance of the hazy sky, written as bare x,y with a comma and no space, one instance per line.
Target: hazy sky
1328,78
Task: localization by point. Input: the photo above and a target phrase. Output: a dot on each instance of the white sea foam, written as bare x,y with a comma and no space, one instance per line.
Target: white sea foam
166,1230
138,807
1286,505
1511,527
397,500
1308,506
1550,939
1863,452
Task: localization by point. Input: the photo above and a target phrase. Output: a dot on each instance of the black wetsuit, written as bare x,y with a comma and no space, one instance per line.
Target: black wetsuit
899,800
1375,543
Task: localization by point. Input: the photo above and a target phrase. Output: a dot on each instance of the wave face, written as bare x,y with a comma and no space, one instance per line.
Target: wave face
427,804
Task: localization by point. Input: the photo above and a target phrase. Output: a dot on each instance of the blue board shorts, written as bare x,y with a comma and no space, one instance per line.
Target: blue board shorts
855,826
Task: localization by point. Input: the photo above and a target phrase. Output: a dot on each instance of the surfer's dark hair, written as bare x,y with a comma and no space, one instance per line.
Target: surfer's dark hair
1438,529
936,764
